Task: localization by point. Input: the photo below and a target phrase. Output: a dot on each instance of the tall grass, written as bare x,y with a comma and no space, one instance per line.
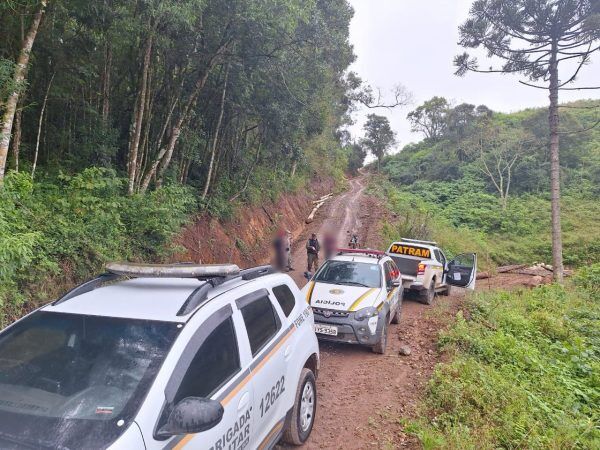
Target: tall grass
524,372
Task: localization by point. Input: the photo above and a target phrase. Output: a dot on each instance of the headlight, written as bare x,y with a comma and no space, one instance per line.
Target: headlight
365,313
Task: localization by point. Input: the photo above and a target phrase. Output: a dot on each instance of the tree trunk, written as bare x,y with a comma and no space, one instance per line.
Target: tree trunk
294,168
163,160
557,260
161,153
18,78
216,137
39,133
138,118
106,83
16,141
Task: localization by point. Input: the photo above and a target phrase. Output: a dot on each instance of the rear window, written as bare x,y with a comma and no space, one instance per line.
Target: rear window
261,322
286,298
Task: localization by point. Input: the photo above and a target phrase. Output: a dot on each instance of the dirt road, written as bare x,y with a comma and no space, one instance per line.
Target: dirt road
362,397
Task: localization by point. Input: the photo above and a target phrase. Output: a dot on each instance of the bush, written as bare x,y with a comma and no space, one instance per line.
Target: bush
461,217
70,225
524,374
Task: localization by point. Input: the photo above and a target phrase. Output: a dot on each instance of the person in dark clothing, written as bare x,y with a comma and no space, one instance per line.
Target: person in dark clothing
312,252
329,245
281,252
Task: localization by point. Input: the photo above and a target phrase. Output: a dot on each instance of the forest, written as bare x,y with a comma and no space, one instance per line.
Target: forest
132,115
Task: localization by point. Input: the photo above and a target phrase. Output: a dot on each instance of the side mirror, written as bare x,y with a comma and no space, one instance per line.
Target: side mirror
307,275
396,283
192,415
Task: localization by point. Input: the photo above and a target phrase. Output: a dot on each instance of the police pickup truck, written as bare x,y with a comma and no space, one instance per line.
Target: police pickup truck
162,357
426,270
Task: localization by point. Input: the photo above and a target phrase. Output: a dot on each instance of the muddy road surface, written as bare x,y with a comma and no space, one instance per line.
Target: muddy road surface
363,398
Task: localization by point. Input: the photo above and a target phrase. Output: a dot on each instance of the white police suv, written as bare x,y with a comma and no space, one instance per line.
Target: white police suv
355,296
162,357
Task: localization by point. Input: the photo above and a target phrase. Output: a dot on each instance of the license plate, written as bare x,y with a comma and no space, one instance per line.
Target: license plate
326,329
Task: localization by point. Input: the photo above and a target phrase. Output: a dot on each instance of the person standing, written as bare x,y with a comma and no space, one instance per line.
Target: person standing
329,244
288,248
312,252
280,245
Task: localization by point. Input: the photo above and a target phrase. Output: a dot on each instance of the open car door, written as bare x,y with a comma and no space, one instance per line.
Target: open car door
462,271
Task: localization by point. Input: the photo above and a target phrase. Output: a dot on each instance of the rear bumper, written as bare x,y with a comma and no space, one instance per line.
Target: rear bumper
413,285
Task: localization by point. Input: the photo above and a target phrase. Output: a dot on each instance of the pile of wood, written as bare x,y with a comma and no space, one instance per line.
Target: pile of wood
536,270
318,203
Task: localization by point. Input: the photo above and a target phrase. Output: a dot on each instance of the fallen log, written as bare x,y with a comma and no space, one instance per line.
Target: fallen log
322,199
483,275
504,269
311,216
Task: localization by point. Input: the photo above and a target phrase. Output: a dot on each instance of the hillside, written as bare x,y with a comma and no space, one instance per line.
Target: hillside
441,189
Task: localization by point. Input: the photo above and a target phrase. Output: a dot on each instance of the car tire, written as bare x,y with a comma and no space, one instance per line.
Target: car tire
379,348
428,296
398,314
301,420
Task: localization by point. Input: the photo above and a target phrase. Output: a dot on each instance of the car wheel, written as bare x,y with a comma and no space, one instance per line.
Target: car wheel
398,314
429,295
382,344
301,420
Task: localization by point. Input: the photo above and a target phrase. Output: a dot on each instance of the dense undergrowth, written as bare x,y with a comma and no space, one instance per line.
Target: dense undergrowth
63,229
524,372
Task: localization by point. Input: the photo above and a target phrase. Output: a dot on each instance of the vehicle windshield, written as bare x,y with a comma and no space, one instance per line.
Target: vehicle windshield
350,273
63,368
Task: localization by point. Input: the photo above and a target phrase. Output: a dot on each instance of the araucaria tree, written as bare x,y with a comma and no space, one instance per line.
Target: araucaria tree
379,136
536,38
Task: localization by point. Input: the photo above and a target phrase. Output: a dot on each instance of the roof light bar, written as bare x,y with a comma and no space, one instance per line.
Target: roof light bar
417,241
173,270
361,251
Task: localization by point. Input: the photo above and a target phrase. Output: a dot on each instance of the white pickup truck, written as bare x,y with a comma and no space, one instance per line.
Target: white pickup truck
426,270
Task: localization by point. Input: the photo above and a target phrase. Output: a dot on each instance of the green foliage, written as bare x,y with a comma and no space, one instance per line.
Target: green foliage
447,197
379,136
524,373
71,225
588,278
462,217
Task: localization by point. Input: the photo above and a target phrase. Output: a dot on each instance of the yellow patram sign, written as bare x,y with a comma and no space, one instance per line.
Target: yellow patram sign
410,250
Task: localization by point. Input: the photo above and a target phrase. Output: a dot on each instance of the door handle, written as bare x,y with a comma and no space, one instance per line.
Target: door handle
288,352
244,401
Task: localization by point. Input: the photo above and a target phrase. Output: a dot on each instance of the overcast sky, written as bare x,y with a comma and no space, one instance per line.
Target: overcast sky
413,42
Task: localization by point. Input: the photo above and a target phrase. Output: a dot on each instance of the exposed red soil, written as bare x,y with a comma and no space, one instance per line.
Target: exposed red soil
246,240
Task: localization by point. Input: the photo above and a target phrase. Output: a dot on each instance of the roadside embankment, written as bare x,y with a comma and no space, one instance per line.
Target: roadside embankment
246,238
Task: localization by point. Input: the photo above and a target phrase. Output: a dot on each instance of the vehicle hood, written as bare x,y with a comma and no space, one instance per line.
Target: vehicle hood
339,297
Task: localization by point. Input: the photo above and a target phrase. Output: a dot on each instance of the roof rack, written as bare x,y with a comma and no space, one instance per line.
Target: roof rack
88,286
417,241
212,274
361,251
200,295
